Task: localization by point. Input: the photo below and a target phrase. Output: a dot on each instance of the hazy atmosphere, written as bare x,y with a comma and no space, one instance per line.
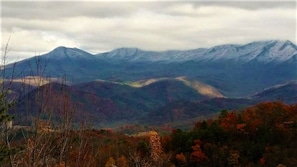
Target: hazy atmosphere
36,27
148,83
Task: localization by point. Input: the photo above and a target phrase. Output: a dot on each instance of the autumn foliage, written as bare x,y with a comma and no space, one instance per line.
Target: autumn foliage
197,156
262,135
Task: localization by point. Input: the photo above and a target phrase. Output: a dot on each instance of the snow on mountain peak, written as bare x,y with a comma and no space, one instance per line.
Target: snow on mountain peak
262,51
123,52
62,52
277,51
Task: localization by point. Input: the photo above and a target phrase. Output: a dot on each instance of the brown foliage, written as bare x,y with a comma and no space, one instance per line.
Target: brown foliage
181,159
197,156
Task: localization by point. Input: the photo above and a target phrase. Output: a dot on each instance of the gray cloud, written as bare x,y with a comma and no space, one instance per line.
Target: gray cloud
60,9
250,5
38,27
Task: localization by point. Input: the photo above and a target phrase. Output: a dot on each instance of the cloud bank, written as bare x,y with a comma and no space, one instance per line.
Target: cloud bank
36,27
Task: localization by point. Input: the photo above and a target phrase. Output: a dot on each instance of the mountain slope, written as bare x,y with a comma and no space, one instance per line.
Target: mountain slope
200,87
107,104
185,112
264,51
188,112
149,95
54,99
286,92
72,63
236,70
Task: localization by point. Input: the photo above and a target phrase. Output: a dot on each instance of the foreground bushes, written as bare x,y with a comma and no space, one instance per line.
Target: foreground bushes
262,135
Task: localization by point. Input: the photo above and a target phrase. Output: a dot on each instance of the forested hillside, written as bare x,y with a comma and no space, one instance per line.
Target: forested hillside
262,135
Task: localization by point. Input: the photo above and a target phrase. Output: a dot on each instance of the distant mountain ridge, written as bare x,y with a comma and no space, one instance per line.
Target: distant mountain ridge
235,70
265,51
106,104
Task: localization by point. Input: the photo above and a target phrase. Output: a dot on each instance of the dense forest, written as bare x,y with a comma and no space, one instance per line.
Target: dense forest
261,135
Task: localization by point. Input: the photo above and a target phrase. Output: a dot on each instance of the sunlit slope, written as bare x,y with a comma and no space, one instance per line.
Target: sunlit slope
201,88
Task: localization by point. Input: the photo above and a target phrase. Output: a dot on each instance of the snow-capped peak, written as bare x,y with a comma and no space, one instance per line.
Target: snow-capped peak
262,51
62,52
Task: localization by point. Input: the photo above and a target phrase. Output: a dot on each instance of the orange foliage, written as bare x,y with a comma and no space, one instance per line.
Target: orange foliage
62,164
181,159
229,122
110,162
268,115
262,161
197,156
122,161
155,146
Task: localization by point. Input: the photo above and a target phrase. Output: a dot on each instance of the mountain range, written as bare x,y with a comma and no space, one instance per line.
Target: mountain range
236,70
129,84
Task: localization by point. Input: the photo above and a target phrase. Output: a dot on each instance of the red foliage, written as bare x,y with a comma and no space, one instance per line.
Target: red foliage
262,161
229,122
268,115
181,158
197,156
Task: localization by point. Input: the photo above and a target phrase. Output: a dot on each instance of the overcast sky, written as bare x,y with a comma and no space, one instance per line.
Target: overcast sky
37,27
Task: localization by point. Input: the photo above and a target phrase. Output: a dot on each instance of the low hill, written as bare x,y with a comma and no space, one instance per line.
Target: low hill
159,102
105,103
286,92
